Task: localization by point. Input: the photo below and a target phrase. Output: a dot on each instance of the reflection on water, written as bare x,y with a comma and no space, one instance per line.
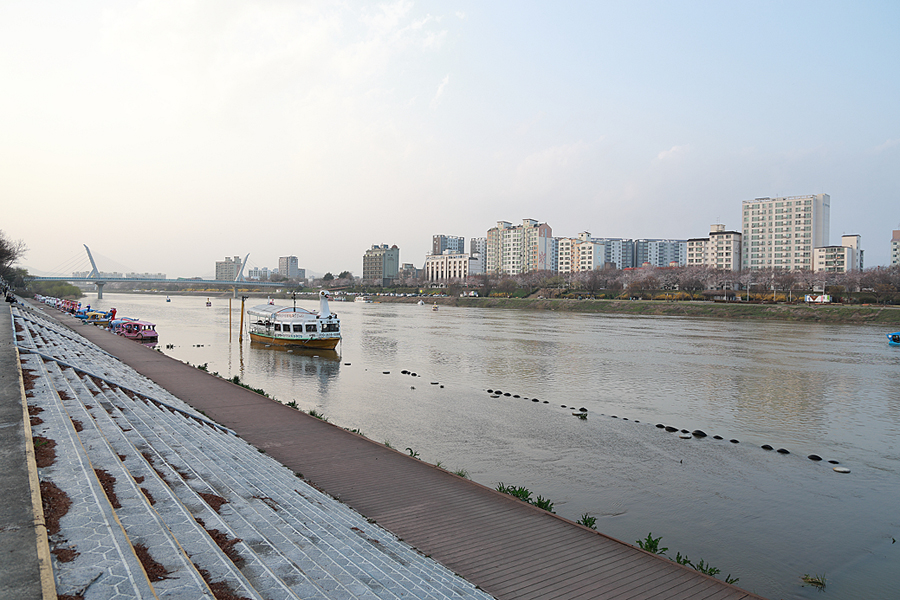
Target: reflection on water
293,364
762,516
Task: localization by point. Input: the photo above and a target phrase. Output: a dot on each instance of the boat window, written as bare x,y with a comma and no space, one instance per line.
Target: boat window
277,327
896,338
298,328
330,327
311,327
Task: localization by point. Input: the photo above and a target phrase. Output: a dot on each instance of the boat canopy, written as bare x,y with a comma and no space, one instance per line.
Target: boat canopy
270,311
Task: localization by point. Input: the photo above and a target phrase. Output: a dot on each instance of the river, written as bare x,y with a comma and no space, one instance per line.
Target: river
765,517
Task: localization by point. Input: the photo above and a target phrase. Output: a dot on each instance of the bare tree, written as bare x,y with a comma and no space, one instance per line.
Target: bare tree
10,252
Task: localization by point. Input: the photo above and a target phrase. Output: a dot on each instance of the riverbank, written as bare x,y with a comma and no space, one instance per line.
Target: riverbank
815,313
887,315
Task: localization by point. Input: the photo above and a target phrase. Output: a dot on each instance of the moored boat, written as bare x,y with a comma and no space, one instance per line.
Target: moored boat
96,317
894,338
292,326
365,299
142,331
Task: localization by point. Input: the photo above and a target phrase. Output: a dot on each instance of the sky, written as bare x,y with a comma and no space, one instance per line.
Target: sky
167,135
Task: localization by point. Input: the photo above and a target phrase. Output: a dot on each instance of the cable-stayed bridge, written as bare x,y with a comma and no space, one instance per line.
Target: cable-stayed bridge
99,280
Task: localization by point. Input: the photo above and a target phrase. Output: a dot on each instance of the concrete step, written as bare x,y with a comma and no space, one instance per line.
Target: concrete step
255,576
295,541
103,560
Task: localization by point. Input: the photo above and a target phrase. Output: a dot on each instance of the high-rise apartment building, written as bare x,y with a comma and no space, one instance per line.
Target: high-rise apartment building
660,253
478,246
722,249
518,249
455,244
895,248
579,254
228,269
288,267
784,232
617,251
381,264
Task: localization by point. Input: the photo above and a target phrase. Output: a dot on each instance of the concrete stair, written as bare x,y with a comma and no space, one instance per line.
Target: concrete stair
181,484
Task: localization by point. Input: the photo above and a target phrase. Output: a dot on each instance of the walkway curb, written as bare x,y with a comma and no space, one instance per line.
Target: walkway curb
26,570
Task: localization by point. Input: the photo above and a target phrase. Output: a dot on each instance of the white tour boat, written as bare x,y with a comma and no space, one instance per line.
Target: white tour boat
292,326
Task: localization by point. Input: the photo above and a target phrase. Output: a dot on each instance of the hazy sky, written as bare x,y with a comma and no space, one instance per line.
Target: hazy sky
167,135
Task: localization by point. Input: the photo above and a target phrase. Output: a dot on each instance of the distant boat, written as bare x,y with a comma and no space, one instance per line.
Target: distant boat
168,299
208,303
421,303
365,299
298,327
435,307
894,338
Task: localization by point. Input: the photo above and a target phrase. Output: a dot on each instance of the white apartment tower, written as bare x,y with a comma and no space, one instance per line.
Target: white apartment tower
722,249
783,232
518,249
579,254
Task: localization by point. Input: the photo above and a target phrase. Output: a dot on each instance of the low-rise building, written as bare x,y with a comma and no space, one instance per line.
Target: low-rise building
722,249
840,259
450,266
258,274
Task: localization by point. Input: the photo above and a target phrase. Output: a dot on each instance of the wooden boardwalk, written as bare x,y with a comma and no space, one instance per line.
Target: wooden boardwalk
508,548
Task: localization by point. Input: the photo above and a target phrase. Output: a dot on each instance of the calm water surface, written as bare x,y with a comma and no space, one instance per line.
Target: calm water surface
768,518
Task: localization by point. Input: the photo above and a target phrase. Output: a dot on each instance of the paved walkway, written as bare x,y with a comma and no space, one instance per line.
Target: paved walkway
508,548
24,554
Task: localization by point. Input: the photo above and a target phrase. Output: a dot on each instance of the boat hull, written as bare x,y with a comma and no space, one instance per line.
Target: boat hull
324,343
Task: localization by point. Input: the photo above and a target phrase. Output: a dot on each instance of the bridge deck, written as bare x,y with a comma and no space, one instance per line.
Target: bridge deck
508,548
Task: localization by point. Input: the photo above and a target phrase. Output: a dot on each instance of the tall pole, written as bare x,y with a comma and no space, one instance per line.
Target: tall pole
241,332
229,319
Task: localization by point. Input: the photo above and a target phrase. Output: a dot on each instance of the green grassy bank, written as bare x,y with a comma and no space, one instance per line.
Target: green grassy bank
719,310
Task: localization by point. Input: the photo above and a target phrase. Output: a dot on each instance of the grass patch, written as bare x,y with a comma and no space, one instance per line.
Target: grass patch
524,494
816,581
314,413
588,521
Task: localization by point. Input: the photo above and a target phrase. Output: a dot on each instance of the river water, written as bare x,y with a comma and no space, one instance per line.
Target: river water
765,517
